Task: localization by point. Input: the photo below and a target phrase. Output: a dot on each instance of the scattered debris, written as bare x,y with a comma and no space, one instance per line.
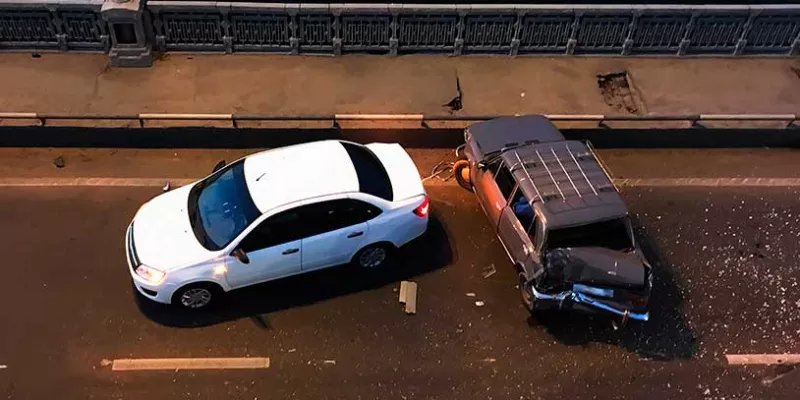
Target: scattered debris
3,366
36,55
781,372
408,296
403,291
105,363
456,103
330,362
618,92
291,350
489,360
479,303
442,170
470,294
59,162
166,187
489,271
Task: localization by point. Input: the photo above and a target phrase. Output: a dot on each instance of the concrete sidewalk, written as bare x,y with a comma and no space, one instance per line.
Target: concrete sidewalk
292,85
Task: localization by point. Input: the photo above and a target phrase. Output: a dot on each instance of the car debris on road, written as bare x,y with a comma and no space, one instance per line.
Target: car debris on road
408,296
489,271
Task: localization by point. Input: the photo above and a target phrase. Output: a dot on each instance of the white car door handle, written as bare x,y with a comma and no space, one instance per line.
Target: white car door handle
354,234
290,251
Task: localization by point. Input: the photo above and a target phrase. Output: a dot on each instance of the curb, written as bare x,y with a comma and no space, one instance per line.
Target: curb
373,121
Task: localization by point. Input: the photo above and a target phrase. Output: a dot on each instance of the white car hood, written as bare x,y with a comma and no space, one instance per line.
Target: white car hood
162,235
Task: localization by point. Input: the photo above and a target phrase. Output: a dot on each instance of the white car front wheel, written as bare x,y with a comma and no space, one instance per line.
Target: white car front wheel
195,296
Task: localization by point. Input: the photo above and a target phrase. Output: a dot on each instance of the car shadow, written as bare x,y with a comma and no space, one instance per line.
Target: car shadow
427,253
666,336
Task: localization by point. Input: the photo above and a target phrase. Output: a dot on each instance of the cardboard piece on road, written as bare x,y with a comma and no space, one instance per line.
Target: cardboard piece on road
408,296
403,289
762,359
411,298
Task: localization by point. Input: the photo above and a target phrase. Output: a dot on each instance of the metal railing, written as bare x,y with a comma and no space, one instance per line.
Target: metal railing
424,121
53,25
337,28
511,29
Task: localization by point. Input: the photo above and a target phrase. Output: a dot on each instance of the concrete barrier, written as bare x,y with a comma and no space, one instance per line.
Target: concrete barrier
371,121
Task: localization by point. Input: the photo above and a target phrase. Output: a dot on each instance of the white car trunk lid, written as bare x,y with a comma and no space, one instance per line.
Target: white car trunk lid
403,173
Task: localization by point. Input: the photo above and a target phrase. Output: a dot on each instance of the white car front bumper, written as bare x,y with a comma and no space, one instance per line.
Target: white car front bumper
161,292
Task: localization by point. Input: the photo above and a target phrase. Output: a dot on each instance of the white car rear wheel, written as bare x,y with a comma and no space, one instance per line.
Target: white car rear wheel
372,256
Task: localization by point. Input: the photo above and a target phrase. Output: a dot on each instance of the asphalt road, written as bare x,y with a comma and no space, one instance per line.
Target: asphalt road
727,282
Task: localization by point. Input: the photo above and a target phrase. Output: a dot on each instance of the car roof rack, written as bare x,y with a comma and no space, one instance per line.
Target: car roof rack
556,166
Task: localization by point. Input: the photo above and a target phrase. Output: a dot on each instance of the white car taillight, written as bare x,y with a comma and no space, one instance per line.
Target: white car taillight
423,209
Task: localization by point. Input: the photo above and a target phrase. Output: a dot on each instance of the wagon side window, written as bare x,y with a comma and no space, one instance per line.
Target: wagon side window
505,181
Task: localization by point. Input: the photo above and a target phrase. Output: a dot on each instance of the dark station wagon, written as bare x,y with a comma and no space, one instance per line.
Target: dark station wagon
559,217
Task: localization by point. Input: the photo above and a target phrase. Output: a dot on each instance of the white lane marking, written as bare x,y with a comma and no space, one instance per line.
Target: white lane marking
762,359
150,364
710,182
627,182
107,182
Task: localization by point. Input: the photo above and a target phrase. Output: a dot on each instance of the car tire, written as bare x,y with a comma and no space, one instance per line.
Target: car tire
372,256
528,301
197,296
461,173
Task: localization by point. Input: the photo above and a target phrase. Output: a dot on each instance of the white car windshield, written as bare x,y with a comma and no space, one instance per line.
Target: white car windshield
220,207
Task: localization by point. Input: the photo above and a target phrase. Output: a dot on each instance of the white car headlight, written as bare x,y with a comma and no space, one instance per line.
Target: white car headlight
150,274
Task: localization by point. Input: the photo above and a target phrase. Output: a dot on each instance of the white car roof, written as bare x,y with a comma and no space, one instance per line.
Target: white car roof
294,173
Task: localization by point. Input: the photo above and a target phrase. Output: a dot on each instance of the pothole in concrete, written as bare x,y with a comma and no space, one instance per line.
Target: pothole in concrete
796,71
619,93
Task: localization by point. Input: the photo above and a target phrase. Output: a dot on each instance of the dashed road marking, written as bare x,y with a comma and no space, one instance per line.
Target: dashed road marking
99,181
762,359
622,182
709,182
151,364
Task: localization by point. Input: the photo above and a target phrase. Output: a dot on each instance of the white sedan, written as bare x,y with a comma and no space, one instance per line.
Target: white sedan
273,214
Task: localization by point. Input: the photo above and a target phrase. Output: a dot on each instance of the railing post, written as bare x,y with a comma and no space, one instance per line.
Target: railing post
515,41
102,29
394,28
337,32
225,24
294,39
628,44
742,42
573,36
58,28
687,35
458,46
130,46
160,44
795,49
